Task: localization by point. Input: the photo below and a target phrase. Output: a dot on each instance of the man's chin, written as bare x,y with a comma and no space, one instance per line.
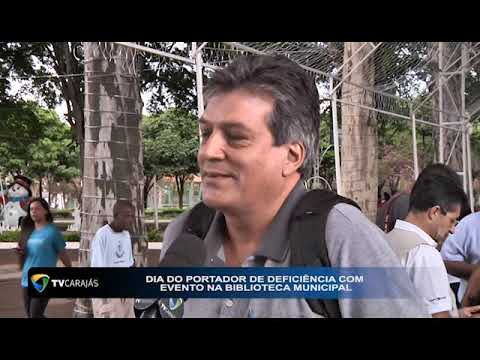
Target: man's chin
212,202
215,201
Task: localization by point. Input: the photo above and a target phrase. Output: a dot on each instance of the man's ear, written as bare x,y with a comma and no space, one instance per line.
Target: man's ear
433,212
295,157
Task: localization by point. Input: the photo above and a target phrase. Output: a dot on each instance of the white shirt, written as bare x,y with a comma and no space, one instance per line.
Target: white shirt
111,249
427,271
464,245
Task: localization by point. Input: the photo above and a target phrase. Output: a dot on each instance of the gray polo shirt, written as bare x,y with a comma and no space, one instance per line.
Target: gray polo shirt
352,241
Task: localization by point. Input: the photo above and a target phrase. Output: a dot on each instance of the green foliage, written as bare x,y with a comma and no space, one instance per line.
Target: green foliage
154,235
36,143
14,235
165,213
10,236
73,236
62,213
172,212
19,127
33,59
326,149
171,143
171,83
475,138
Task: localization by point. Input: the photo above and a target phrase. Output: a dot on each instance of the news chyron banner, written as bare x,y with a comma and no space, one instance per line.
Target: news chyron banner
212,282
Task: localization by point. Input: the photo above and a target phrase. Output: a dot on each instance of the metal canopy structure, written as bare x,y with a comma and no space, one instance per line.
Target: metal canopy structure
401,71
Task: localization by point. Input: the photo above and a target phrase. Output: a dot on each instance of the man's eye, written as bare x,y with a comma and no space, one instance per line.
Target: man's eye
235,137
205,133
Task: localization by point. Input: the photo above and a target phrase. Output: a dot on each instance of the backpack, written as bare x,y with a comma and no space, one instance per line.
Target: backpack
306,236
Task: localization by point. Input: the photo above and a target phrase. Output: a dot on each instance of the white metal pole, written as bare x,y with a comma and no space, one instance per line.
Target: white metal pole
464,158
1,189
199,77
464,128
469,162
338,177
155,200
414,142
3,195
452,148
440,101
197,52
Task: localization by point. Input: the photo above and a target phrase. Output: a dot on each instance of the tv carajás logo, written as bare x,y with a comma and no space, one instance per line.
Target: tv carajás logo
40,282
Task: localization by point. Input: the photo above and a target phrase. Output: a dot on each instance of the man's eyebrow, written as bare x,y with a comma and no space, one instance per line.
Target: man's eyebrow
235,126
226,125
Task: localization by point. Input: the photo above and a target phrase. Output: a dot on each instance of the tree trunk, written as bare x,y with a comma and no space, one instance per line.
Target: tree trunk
180,182
40,188
359,166
146,189
49,187
113,163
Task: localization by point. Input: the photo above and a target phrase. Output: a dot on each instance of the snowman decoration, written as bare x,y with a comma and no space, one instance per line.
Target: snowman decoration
17,198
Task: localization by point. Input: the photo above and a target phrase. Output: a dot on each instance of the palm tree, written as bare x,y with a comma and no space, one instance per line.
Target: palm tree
359,132
113,156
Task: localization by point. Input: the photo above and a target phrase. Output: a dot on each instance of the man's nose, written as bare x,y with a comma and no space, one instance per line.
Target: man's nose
212,148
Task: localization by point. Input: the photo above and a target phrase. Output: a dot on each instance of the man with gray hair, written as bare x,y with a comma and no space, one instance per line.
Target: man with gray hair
259,140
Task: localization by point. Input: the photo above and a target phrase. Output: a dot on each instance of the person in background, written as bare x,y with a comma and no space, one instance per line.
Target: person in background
398,205
41,245
112,247
461,251
435,205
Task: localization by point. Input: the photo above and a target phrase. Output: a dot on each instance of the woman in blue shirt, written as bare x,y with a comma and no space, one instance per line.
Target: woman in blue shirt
40,245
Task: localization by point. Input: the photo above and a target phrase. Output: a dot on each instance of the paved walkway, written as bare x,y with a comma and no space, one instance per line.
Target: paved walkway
74,245
11,298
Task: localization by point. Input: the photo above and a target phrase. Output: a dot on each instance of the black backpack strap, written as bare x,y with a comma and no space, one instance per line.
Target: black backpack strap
307,239
197,223
306,234
199,220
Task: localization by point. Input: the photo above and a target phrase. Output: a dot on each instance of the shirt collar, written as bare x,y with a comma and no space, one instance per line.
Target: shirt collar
407,226
274,243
